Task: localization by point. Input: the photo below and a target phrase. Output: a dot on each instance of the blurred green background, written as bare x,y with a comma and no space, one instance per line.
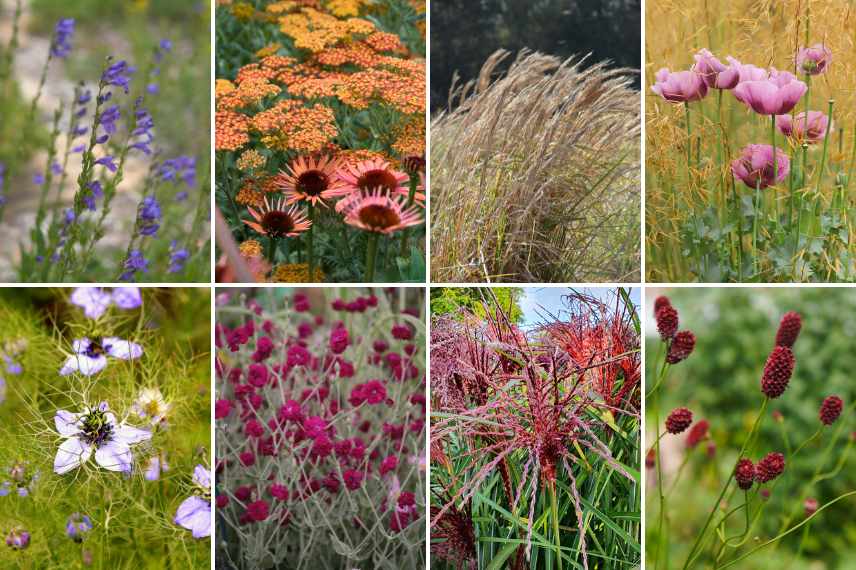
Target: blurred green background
720,381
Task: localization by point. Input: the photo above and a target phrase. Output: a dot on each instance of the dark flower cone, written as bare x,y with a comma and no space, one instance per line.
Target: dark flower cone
679,420
667,322
744,474
789,329
770,467
830,409
682,346
777,372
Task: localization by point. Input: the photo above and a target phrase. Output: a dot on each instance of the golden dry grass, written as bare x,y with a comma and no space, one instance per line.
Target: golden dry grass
535,175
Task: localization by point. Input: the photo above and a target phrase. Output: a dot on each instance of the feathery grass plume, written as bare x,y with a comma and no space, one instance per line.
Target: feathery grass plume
321,433
535,176
535,426
113,509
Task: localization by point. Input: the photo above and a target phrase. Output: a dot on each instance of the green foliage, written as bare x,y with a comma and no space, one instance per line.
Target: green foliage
446,300
132,517
720,382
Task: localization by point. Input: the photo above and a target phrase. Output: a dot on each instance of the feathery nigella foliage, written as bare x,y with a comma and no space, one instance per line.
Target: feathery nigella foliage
320,422
762,490
104,456
103,132
534,425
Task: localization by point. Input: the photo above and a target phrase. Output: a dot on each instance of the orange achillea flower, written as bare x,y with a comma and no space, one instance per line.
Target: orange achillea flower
248,92
290,126
223,87
254,71
251,159
249,196
360,53
352,157
384,41
378,212
311,180
406,94
345,8
278,220
250,248
296,273
314,30
410,138
230,130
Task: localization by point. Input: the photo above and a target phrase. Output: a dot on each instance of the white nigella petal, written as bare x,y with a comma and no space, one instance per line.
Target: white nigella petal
194,513
120,348
90,356
127,297
93,300
95,430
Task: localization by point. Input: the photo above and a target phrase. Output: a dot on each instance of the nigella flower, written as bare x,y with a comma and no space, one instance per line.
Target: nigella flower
63,32
21,481
177,257
77,527
108,163
150,214
156,466
179,169
95,430
18,539
118,74
195,512
90,356
134,263
151,405
95,301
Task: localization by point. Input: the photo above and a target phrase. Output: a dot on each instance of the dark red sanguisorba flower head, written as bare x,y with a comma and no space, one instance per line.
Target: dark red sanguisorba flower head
698,433
682,346
679,420
777,371
650,459
660,302
830,409
770,467
667,322
789,329
744,474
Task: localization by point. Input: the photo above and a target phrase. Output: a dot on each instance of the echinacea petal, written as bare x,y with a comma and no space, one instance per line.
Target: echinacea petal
66,423
72,453
195,514
114,456
122,349
86,365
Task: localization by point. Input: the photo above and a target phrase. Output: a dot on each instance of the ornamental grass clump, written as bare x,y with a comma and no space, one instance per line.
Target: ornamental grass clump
535,174
750,169
735,524
320,423
102,133
320,111
534,438
104,459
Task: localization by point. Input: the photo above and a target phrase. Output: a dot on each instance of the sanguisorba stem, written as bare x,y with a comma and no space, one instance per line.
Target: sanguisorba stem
371,253
696,550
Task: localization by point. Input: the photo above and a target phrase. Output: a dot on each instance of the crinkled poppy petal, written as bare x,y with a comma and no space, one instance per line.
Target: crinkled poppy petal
72,453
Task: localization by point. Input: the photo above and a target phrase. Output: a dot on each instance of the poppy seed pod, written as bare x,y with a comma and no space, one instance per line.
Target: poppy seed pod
830,409
777,372
744,474
789,329
770,467
679,420
667,322
681,347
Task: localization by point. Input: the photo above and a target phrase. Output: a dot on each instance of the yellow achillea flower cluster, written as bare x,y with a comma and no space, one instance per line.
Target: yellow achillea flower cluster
223,87
296,273
346,8
290,126
251,159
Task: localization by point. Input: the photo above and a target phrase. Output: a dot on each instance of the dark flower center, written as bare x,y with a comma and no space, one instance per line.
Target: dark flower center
96,429
277,224
383,179
96,349
381,217
312,182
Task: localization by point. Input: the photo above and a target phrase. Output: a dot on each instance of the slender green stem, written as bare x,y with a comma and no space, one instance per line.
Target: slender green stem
371,253
757,213
271,249
310,245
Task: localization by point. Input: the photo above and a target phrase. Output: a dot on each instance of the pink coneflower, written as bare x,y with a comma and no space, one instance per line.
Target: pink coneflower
374,174
812,132
679,86
377,212
814,60
312,181
277,220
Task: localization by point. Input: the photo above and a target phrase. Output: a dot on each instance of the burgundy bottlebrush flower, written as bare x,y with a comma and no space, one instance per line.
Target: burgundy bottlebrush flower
258,511
755,166
339,340
402,332
264,348
247,458
291,411
697,433
744,474
679,86
243,493
830,409
222,501
777,372
667,322
682,346
390,463
257,375
789,329
660,302
814,60
711,449
770,467
298,356
253,428
679,420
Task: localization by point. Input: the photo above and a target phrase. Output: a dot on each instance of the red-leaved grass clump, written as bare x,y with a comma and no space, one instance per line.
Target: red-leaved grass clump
536,420
321,430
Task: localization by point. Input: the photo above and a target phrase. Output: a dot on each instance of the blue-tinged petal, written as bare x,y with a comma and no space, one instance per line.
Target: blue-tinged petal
71,454
93,300
130,435
66,423
120,348
114,456
195,514
86,365
127,297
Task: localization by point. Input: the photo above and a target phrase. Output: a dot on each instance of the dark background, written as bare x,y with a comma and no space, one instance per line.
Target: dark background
465,32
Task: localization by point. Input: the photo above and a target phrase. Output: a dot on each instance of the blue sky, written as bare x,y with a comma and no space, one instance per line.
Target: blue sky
550,298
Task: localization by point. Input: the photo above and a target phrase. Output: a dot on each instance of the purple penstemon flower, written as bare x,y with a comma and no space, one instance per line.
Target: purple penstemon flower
96,192
195,512
90,356
63,32
179,169
134,263
150,215
109,117
143,125
108,163
2,390
119,75
95,430
95,301
177,257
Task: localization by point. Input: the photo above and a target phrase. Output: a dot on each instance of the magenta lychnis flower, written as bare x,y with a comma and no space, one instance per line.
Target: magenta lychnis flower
778,94
814,60
679,86
812,131
755,166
